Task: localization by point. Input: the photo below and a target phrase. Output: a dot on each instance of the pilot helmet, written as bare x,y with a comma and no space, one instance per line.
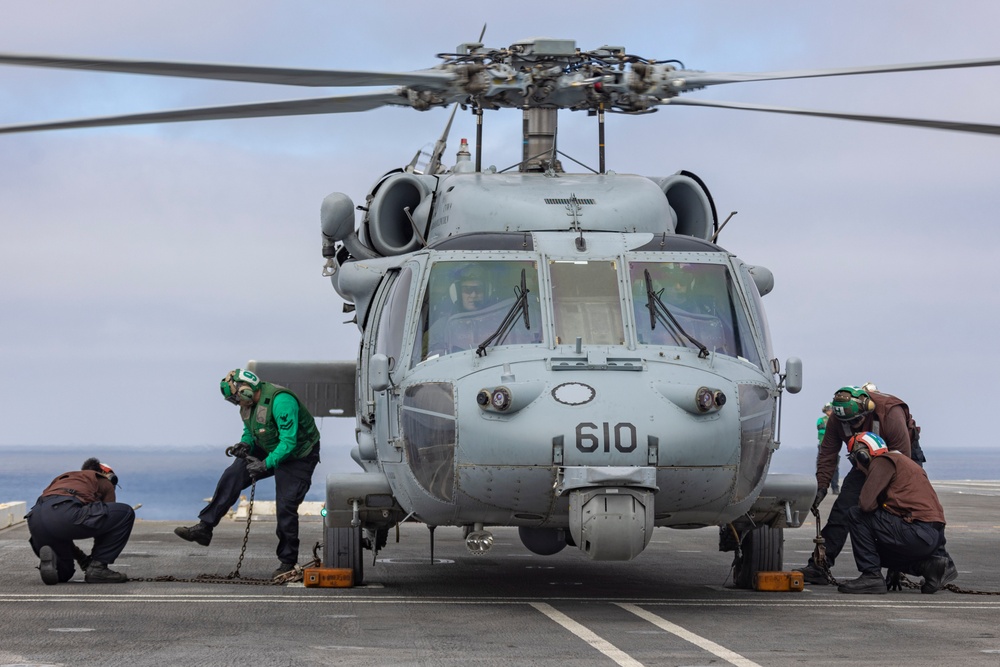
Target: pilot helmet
863,447
851,404
239,386
470,287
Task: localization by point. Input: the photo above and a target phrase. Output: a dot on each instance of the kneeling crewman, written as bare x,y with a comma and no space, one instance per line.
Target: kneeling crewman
79,505
898,522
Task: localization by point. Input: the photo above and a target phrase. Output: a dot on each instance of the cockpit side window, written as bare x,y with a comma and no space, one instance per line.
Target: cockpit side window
467,302
703,301
757,306
390,332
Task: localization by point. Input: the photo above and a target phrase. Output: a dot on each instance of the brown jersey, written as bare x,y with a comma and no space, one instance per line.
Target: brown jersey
893,426
86,485
898,485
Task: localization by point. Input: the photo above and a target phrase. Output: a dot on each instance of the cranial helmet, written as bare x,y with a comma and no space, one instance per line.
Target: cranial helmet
851,404
863,447
101,469
239,386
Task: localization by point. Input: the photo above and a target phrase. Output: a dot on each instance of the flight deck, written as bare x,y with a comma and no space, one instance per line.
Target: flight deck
673,605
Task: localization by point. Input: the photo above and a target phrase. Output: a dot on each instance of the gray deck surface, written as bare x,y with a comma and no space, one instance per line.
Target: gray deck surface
673,605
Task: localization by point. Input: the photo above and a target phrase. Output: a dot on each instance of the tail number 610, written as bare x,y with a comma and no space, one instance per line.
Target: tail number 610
590,436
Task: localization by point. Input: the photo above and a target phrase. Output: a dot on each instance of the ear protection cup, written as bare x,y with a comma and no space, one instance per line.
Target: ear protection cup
239,386
862,447
861,456
110,474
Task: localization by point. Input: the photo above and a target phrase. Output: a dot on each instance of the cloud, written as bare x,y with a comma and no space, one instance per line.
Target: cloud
140,264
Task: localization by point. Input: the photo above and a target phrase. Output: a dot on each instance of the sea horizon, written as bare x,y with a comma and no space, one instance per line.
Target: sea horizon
174,483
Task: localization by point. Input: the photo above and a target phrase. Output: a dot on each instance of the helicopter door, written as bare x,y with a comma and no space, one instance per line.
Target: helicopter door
389,309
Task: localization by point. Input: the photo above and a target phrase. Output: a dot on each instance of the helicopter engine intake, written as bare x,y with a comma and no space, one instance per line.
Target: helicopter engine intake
398,214
691,205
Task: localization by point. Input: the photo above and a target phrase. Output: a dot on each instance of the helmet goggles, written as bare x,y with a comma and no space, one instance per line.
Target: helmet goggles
851,404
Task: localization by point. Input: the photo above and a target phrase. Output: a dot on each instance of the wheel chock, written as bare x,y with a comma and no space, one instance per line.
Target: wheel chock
778,581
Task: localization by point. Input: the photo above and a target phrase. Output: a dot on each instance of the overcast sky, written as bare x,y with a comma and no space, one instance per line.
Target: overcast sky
138,265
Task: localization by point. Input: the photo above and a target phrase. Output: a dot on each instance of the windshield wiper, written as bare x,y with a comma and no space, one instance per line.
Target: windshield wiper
517,310
658,311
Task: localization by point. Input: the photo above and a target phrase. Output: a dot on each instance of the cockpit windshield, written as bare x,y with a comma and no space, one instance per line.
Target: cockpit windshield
469,304
703,301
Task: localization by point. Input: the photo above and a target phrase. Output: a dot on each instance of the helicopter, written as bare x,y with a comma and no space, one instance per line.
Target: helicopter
571,354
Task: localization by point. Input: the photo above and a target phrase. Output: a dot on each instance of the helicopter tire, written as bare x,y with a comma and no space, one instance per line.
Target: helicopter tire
762,551
344,549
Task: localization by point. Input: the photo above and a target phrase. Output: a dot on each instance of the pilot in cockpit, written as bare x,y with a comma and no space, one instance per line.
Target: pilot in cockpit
470,290
457,325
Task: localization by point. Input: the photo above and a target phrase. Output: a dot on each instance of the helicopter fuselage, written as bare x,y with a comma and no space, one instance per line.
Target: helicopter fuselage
580,366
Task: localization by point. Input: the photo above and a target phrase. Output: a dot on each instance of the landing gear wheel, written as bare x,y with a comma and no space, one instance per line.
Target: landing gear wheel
343,549
762,551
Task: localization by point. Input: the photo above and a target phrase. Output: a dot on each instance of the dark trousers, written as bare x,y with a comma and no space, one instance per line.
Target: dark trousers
882,539
835,479
836,529
292,479
56,521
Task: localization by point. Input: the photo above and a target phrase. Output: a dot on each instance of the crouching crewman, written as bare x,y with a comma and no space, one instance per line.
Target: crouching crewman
78,505
898,522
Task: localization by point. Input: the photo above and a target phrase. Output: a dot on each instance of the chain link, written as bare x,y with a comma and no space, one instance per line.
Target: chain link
235,574
295,574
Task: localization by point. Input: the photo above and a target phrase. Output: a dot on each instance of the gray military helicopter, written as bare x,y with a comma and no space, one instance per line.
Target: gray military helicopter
571,354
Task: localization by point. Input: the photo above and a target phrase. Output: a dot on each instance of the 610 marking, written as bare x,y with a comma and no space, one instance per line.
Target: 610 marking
587,441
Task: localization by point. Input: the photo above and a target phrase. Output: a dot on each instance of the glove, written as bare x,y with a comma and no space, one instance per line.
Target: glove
893,580
820,495
256,468
239,450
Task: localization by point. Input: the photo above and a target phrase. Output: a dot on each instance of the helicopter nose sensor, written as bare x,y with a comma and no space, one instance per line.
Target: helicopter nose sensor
709,399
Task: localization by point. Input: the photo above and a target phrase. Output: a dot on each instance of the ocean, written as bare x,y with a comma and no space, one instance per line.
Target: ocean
173,484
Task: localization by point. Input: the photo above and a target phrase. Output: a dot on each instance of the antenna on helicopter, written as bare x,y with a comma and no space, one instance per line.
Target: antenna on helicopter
435,164
724,223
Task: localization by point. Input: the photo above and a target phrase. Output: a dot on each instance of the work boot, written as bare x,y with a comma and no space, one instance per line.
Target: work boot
282,569
200,533
812,574
82,559
47,566
98,573
934,571
869,583
950,573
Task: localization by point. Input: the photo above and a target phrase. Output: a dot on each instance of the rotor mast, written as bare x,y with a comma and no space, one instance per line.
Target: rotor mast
539,140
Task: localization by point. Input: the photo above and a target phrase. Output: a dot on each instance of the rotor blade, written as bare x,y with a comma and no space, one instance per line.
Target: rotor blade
251,74
976,128
318,105
692,80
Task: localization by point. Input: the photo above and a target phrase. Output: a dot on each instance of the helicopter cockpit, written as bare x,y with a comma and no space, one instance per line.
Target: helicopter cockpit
483,303
470,304
701,306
